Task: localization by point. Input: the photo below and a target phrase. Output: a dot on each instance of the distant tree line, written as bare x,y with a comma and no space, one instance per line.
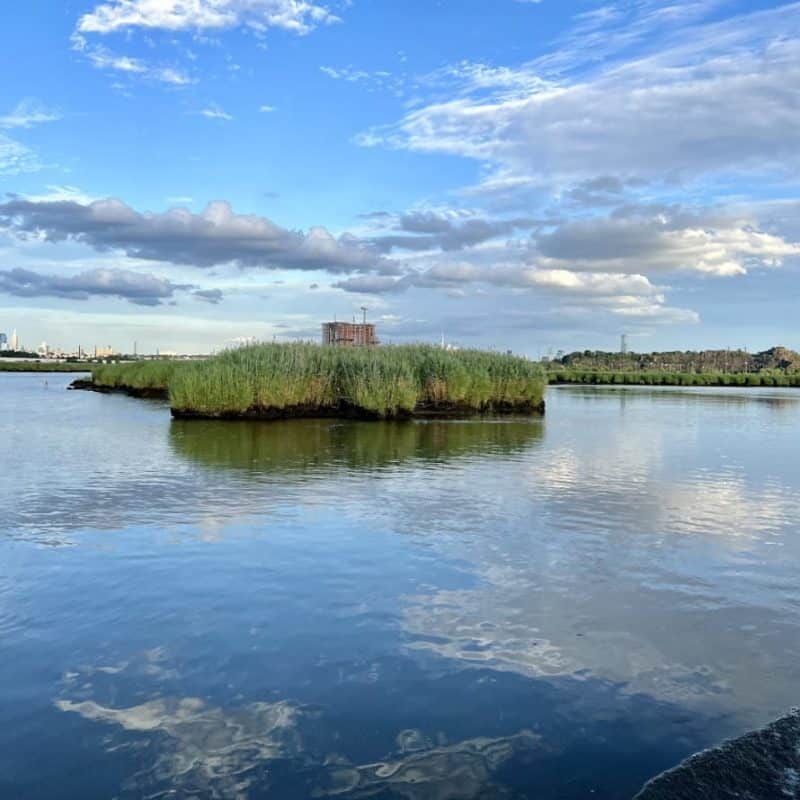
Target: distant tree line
17,354
716,362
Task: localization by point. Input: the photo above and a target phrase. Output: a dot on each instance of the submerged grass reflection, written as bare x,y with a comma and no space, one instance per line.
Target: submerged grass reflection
294,445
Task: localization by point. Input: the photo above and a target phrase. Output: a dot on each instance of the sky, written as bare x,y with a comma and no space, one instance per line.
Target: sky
532,175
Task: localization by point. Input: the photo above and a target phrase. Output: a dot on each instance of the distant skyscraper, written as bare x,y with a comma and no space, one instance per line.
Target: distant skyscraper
14,340
3,341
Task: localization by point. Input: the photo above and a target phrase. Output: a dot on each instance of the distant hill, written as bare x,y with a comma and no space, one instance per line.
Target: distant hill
776,358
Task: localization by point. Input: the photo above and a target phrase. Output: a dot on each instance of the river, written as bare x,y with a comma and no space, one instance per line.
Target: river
546,608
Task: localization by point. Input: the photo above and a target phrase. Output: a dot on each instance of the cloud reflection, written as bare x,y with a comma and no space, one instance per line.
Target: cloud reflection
223,753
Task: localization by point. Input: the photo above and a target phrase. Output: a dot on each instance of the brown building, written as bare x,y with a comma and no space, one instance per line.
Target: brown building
348,333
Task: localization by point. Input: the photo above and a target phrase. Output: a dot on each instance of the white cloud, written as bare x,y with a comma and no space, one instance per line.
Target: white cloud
16,158
56,193
297,16
28,113
215,112
102,58
348,74
266,109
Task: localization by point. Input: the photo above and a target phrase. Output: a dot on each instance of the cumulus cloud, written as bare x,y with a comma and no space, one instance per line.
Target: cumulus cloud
453,275
297,16
135,287
662,239
215,236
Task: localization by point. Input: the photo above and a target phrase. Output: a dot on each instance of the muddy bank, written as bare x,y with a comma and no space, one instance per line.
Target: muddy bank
761,765
149,393
349,411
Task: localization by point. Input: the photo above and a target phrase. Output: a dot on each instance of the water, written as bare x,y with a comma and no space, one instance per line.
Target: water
557,608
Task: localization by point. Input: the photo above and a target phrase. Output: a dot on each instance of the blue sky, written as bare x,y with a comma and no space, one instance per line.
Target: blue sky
527,175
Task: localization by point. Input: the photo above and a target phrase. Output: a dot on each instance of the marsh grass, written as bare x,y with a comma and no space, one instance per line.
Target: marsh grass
137,375
382,382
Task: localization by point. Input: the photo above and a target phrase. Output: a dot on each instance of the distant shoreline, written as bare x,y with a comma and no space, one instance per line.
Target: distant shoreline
43,366
730,380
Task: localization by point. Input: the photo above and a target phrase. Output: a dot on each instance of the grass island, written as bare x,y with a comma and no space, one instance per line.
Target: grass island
274,381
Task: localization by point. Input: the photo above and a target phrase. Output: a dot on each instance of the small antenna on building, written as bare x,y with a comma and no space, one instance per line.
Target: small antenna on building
364,310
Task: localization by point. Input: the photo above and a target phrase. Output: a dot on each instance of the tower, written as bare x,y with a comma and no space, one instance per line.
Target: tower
623,344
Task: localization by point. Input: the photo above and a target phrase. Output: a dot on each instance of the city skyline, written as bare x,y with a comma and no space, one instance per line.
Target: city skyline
536,176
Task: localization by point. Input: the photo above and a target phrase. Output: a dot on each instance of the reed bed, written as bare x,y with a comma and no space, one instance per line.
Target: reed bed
656,378
381,382
141,376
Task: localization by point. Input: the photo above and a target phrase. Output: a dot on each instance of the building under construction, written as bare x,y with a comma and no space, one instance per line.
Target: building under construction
348,333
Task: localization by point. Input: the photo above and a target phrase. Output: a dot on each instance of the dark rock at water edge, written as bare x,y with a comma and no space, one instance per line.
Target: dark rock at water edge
762,765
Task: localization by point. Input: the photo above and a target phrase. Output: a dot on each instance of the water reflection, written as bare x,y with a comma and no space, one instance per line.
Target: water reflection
490,736
777,398
560,608
210,752
155,478
323,446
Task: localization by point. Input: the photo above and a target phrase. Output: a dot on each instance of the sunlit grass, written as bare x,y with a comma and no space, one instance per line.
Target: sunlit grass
139,375
381,381
377,381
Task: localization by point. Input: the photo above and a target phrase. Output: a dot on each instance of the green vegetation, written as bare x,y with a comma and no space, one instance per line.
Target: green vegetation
42,366
137,376
381,382
306,379
659,378
677,361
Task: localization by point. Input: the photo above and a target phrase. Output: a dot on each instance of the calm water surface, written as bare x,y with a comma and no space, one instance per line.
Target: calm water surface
431,611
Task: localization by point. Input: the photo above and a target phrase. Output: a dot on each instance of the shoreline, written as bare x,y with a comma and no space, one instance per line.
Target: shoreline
347,411
679,384
638,385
